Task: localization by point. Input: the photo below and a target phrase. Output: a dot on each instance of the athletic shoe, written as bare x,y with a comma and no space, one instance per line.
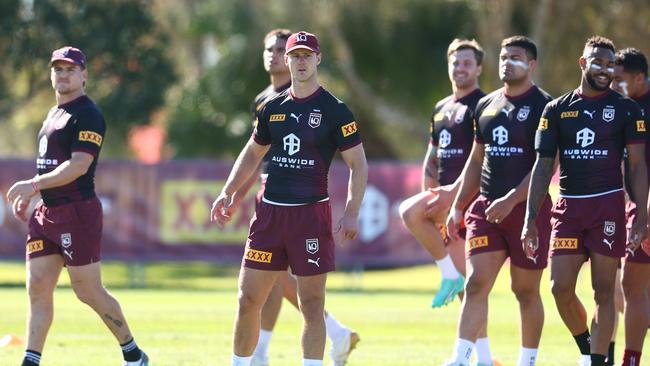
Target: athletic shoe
454,363
584,361
495,362
340,350
143,361
259,361
448,290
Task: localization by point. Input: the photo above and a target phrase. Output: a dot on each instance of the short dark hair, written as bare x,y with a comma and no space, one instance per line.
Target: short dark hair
466,44
632,60
524,42
599,41
281,33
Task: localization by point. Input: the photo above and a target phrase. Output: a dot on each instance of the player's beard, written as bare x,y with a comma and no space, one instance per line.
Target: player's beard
594,85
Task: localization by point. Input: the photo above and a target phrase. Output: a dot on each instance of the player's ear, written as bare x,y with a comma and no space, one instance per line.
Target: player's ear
582,62
84,76
639,79
318,55
286,59
479,69
532,65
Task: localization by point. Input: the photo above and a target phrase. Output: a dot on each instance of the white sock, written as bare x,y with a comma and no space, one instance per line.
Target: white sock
333,328
447,268
462,351
527,356
241,361
585,359
308,362
483,353
262,348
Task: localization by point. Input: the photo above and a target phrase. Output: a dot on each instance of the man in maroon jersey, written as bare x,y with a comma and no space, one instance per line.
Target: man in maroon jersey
301,129
452,133
65,229
499,166
589,127
342,339
631,79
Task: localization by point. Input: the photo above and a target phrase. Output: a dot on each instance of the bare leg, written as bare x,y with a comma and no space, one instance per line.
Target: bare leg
425,230
272,306
254,288
636,280
525,285
564,274
42,276
311,295
603,276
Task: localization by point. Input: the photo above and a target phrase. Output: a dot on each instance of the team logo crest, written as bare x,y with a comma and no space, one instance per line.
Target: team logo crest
311,245
608,114
609,228
523,113
66,240
314,119
460,114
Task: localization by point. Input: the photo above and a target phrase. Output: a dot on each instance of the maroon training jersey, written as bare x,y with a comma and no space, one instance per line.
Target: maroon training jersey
260,100
303,134
506,125
590,134
452,131
74,126
643,102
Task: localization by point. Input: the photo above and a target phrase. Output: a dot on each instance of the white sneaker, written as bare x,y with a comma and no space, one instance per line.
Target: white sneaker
454,363
143,361
340,350
260,361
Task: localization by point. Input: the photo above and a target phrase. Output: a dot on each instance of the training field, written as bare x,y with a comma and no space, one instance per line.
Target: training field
185,315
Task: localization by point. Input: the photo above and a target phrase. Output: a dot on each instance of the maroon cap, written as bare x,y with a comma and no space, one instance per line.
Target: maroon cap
302,40
69,54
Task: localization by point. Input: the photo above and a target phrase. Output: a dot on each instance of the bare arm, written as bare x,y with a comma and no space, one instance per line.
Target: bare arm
355,158
22,191
468,186
639,178
430,169
541,179
246,163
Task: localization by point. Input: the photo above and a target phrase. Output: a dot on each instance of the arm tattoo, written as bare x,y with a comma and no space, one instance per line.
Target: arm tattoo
115,321
539,181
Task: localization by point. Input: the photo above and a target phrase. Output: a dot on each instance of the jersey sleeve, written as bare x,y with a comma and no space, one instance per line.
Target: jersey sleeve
346,131
89,132
261,133
432,127
478,137
546,137
635,128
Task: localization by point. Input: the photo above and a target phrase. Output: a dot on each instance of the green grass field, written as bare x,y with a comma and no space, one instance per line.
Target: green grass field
184,317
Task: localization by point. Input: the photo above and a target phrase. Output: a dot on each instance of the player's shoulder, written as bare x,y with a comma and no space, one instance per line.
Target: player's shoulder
543,94
442,102
87,108
277,100
488,98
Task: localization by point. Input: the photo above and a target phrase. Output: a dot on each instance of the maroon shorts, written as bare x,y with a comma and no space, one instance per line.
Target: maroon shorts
638,256
588,224
296,236
484,236
72,230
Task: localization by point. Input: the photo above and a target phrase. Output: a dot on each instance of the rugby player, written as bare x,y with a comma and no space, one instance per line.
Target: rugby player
590,127
301,129
65,228
499,164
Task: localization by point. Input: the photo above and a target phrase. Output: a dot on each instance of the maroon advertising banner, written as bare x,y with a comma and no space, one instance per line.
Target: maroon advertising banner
161,212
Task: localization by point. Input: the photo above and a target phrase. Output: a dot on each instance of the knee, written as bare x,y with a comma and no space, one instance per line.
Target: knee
312,306
631,288
526,294
603,293
248,303
38,289
476,286
410,212
562,291
87,295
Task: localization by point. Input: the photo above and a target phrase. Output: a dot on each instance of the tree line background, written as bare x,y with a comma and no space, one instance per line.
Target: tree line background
191,68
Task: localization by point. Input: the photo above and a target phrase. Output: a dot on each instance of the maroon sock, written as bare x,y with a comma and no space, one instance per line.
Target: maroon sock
631,358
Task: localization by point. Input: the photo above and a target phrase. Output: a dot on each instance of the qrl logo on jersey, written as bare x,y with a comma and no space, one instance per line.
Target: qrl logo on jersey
314,119
500,135
585,137
349,129
311,245
445,139
523,113
608,114
90,136
291,144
